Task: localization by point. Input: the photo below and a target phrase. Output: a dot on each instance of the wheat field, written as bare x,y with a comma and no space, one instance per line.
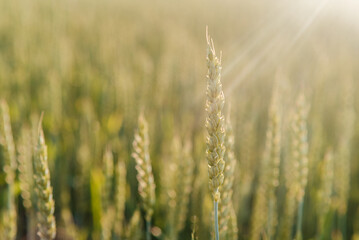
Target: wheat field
179,120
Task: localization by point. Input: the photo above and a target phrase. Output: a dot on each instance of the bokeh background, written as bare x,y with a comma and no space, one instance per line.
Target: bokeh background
93,66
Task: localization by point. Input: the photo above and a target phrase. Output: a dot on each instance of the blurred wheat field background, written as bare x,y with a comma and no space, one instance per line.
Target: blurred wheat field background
122,88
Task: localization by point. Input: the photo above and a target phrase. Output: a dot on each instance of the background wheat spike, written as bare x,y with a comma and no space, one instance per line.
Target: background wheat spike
265,208
146,183
180,176
120,197
8,147
226,211
300,156
45,203
26,173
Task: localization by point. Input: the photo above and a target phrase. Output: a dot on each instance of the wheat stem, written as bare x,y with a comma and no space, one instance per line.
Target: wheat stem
216,228
148,229
299,220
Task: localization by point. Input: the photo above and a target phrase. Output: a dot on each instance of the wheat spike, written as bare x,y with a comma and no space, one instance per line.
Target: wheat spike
226,210
215,125
342,164
297,169
181,180
215,122
265,208
7,143
25,167
120,196
232,232
45,202
300,145
26,173
146,183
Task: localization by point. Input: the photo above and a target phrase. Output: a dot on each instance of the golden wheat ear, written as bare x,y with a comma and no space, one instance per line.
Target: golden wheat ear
215,125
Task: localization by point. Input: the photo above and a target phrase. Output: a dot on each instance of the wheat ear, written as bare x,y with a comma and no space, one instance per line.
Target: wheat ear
181,176
26,173
273,163
45,202
226,205
300,155
232,232
342,164
146,184
265,208
120,196
215,125
7,143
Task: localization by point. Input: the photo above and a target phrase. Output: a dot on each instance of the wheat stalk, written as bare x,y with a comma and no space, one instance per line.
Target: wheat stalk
326,188
342,170
45,202
180,176
265,208
232,231
194,228
342,166
25,168
7,143
107,208
215,125
300,155
226,205
146,184
134,227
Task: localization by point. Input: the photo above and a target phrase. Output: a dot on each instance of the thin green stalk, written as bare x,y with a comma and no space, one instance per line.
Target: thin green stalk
299,219
216,228
31,225
148,229
270,218
342,219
